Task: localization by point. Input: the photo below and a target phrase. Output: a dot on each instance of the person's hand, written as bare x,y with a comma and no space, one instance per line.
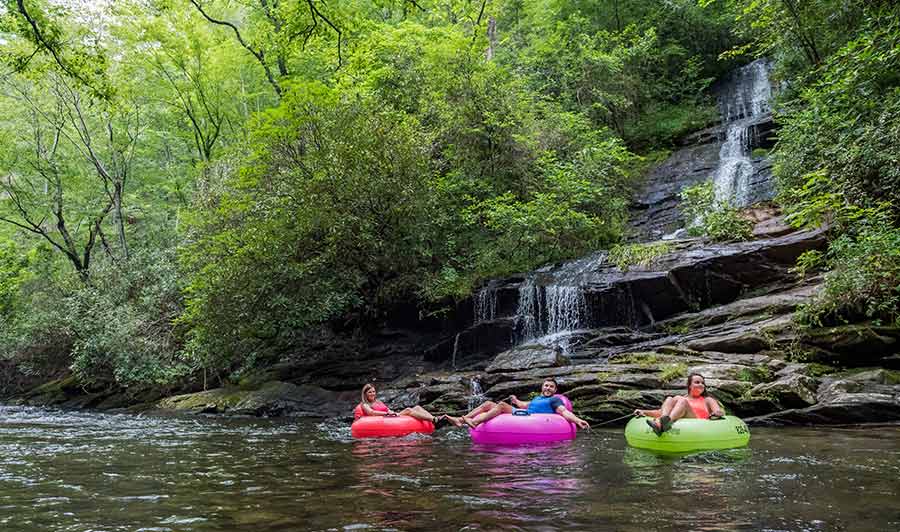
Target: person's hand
583,425
638,412
391,413
512,399
717,416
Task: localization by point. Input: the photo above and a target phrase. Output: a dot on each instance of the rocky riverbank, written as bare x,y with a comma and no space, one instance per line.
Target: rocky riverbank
721,310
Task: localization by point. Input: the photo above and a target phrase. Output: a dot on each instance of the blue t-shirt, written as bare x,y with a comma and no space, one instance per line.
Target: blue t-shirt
544,405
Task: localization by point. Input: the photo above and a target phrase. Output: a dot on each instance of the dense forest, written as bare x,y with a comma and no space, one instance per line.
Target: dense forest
189,187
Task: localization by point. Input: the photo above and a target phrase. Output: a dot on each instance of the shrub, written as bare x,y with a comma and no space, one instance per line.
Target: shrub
626,255
715,219
864,278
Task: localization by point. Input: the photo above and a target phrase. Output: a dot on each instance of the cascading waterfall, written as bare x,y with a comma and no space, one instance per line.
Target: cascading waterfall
528,313
742,107
565,308
557,304
485,304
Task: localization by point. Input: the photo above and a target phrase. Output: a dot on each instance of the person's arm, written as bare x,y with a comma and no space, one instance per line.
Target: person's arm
650,413
518,404
714,408
566,413
369,411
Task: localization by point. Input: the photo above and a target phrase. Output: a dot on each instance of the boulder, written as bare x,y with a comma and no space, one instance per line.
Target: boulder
273,398
792,391
853,345
841,408
525,357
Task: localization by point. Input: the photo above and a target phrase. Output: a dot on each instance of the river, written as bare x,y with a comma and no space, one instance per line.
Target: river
86,471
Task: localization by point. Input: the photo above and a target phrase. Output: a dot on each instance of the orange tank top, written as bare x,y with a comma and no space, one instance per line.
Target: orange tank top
698,405
378,406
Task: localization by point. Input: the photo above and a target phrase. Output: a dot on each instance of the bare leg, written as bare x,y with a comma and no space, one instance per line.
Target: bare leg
480,409
664,409
500,408
419,413
681,409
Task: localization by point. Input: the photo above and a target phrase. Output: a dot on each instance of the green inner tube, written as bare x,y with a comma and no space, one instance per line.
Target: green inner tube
687,435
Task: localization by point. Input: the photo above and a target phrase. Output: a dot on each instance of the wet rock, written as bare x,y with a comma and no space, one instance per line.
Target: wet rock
527,357
841,408
729,372
852,345
741,342
793,391
272,399
772,227
728,390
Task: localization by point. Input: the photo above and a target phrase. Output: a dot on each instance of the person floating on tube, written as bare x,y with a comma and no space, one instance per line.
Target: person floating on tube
545,403
696,404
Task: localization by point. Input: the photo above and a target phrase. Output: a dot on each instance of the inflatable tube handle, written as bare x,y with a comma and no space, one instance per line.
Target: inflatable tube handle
521,413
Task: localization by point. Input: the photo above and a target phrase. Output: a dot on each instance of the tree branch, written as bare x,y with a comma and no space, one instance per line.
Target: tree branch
259,55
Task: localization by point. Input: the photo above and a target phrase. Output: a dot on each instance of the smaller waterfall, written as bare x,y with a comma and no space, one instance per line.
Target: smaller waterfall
528,314
476,396
565,308
485,304
744,102
553,302
455,349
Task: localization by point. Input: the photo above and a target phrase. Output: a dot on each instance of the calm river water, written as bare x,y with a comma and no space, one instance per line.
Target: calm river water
80,471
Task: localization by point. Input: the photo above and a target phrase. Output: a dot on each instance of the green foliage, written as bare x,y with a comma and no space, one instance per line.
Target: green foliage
323,221
673,371
637,68
755,375
715,219
118,328
808,261
841,135
625,256
664,124
863,281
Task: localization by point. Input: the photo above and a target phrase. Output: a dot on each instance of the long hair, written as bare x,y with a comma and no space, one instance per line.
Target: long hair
366,388
691,377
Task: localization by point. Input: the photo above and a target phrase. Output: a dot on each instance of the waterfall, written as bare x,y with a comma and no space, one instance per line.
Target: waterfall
552,302
485,304
742,104
477,395
528,313
565,306
455,349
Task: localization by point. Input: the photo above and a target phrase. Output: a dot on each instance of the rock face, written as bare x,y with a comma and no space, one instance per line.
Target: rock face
628,340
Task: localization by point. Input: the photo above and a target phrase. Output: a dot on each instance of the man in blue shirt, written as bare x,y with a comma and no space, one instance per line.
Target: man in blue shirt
545,403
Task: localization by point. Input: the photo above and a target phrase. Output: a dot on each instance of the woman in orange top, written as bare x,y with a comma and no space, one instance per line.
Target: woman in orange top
696,404
370,406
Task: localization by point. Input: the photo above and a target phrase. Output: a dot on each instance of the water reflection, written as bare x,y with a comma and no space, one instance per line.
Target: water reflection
85,471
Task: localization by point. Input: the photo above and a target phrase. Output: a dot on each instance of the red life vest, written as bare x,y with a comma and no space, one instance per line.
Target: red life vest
698,405
378,406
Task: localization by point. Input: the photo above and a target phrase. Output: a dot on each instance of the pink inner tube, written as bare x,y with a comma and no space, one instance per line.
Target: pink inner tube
509,429
389,426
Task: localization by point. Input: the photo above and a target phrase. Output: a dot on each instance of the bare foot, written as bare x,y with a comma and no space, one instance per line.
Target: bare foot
455,421
469,422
